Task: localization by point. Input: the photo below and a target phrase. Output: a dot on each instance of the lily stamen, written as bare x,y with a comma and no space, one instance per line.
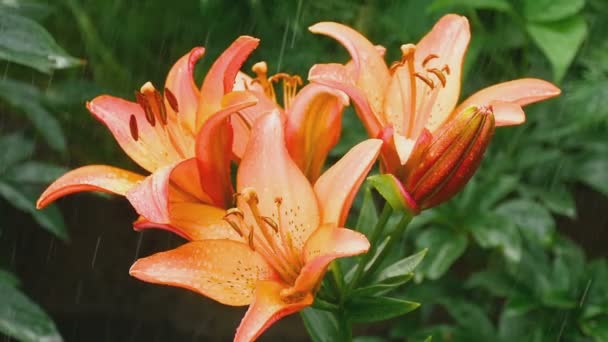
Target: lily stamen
133,127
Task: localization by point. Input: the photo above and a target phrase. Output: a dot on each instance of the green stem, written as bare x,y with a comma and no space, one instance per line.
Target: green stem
336,271
325,305
345,327
384,216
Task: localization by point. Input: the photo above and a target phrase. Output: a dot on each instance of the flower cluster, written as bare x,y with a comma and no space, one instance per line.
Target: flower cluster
267,239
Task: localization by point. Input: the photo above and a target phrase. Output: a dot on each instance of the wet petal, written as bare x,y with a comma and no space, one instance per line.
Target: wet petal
223,270
267,308
90,178
180,82
399,109
267,167
324,246
186,185
150,198
336,76
214,149
448,40
521,92
148,150
221,76
371,72
337,187
313,127
201,222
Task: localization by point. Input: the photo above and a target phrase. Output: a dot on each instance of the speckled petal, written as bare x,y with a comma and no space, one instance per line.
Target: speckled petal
223,270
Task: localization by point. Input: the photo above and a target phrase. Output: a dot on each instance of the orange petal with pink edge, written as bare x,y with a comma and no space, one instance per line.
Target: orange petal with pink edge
336,76
521,92
223,270
448,40
268,169
102,178
185,183
180,82
142,223
399,101
147,150
313,127
201,222
214,149
221,76
266,309
324,246
371,73
150,198
337,187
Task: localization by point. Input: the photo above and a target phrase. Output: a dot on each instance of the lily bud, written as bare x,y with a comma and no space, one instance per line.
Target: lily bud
440,166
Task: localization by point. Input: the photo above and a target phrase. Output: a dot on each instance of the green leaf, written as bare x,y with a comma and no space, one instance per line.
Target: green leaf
35,172
15,148
374,309
596,328
497,5
495,282
593,173
496,190
402,267
534,221
23,319
388,186
27,100
559,41
551,10
383,287
29,8
7,278
322,326
49,218
369,339
495,231
445,247
470,317
368,216
25,42
519,305
559,200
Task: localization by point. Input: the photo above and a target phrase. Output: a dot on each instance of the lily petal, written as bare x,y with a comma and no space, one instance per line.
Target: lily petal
371,72
448,40
185,183
102,178
324,246
267,308
180,82
337,76
223,270
521,92
221,76
147,150
214,149
313,127
267,167
337,187
201,222
150,198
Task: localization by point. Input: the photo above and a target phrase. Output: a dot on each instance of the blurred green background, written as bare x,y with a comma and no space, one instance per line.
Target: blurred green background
520,255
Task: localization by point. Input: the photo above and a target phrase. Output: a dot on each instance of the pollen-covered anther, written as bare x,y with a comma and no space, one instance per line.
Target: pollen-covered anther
234,212
133,127
440,76
171,99
289,295
271,223
428,58
290,86
429,82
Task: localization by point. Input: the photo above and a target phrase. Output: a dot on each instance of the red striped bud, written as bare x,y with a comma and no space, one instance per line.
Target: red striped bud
441,166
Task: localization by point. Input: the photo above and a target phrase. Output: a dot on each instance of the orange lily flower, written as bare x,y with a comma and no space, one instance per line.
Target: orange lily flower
313,115
409,102
159,132
280,238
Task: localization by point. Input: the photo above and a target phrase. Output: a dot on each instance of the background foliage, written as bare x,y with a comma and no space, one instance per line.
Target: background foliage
519,255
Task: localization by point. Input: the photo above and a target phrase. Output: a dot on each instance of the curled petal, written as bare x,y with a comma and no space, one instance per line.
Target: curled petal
143,223
90,178
180,82
185,183
214,149
371,73
268,169
147,149
336,76
223,270
267,308
521,92
337,187
150,198
324,246
221,76
313,127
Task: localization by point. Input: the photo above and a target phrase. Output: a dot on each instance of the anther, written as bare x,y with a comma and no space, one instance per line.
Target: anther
162,111
426,80
271,223
234,226
171,99
446,69
439,75
235,212
133,127
250,239
428,59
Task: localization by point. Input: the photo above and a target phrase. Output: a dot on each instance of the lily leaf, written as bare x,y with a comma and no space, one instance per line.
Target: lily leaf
322,326
551,10
445,247
34,172
8,278
25,42
402,267
373,309
378,288
535,222
15,148
23,319
368,216
387,185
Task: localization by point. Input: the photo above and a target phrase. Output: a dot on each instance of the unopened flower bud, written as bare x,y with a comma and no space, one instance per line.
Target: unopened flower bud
443,163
